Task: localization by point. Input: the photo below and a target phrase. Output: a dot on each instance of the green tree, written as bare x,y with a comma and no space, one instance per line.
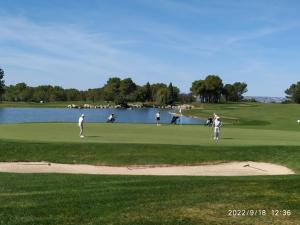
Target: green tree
173,93
170,95
199,89
228,92
240,89
214,88
20,92
293,92
208,90
139,95
127,87
161,97
111,89
2,84
9,94
121,100
57,94
42,93
148,92
27,94
95,94
155,89
73,94
234,92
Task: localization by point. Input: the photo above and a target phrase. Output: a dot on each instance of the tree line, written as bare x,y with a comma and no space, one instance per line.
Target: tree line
119,91
122,91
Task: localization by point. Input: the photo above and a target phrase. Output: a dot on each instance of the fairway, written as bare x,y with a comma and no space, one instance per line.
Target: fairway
252,115
147,134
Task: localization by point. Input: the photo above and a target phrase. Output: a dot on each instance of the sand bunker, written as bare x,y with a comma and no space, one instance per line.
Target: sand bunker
222,169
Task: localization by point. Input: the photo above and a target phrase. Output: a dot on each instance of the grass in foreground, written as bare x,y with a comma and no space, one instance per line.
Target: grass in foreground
129,200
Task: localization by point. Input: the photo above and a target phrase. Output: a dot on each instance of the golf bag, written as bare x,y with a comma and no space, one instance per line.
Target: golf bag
112,120
209,122
174,119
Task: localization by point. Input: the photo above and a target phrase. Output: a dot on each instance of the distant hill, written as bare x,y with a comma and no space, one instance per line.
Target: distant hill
266,99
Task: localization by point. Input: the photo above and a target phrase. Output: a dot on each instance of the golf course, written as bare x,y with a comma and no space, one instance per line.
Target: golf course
141,112
251,132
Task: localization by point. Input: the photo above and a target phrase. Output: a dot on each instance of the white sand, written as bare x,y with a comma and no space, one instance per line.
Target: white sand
222,169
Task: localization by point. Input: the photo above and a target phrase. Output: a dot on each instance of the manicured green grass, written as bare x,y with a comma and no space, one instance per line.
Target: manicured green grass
136,200
147,134
253,115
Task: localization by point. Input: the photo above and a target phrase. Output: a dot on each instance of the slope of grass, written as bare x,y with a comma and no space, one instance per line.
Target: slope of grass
253,115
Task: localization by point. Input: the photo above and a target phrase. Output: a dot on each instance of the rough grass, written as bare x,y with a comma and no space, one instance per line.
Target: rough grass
131,200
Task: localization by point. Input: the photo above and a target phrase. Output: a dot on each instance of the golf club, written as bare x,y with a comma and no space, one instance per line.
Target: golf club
248,165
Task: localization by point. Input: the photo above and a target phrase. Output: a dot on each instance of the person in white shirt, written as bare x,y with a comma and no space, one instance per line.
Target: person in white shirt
158,118
111,118
216,126
80,124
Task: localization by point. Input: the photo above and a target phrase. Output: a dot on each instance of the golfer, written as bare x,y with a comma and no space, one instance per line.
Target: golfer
158,118
111,118
216,126
80,124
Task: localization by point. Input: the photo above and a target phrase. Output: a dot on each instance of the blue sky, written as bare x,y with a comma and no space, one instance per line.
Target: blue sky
81,43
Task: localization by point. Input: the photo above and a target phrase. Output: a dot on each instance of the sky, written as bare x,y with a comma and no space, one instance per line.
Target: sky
81,43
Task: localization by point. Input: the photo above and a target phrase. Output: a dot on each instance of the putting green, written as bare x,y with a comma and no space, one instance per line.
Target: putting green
141,133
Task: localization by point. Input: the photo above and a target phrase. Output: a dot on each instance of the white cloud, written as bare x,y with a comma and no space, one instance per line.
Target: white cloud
66,54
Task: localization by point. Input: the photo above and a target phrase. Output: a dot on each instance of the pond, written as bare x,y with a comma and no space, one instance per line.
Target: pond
146,115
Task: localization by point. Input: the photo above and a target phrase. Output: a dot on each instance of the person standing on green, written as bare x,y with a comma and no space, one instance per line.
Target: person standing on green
80,124
157,118
217,127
